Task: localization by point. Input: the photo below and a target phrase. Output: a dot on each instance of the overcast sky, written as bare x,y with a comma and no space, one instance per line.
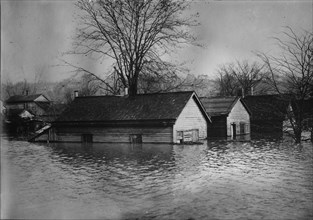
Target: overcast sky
35,33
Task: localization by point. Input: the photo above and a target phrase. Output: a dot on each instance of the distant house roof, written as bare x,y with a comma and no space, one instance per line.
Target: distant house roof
19,113
267,107
23,98
217,106
156,106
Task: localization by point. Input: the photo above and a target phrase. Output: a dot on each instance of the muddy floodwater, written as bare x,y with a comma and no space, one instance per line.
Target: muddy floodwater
217,180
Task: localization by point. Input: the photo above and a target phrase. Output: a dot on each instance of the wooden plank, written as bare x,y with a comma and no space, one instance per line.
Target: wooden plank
115,134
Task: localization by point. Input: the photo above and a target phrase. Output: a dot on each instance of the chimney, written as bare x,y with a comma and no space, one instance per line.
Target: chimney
242,92
75,94
251,90
126,91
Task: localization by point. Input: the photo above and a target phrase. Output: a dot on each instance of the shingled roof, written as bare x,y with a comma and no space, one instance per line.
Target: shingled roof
267,107
157,106
22,98
216,106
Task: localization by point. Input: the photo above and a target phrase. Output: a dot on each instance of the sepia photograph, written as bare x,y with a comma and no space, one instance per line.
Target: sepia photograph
156,109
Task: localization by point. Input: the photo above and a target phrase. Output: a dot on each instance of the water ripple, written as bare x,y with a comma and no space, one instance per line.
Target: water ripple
218,180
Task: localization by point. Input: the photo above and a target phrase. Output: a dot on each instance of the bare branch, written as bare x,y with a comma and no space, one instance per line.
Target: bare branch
132,33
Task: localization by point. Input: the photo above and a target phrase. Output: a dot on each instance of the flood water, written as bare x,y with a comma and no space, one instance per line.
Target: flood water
216,180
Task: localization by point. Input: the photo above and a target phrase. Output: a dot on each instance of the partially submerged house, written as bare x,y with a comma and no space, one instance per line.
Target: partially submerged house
268,113
229,115
37,103
2,116
148,118
25,114
2,108
21,122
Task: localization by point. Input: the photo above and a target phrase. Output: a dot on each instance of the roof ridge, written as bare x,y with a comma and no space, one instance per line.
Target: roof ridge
143,94
265,95
21,98
27,95
100,96
163,93
219,97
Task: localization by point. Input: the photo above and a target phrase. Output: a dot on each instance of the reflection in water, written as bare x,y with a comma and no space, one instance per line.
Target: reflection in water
218,180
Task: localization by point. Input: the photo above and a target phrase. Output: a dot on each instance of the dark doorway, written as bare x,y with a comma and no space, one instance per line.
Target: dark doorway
87,138
234,129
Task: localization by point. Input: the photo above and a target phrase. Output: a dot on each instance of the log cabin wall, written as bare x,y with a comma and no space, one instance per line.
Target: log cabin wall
238,115
190,118
114,134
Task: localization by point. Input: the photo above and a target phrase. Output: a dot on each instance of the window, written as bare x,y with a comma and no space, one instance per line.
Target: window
237,128
179,137
247,129
86,138
242,128
188,136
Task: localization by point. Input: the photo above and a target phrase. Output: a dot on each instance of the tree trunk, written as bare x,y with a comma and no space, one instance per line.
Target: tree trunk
133,88
298,133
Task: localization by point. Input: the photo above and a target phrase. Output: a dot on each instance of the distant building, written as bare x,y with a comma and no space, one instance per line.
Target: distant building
20,114
24,114
37,103
148,118
268,113
230,117
2,108
20,122
2,116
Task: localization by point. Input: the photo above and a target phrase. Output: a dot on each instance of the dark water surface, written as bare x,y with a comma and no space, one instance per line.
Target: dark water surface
217,180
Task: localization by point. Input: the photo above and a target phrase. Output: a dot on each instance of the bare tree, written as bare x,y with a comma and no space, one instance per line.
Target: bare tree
241,76
89,85
24,87
134,34
226,83
110,85
160,77
19,88
291,73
